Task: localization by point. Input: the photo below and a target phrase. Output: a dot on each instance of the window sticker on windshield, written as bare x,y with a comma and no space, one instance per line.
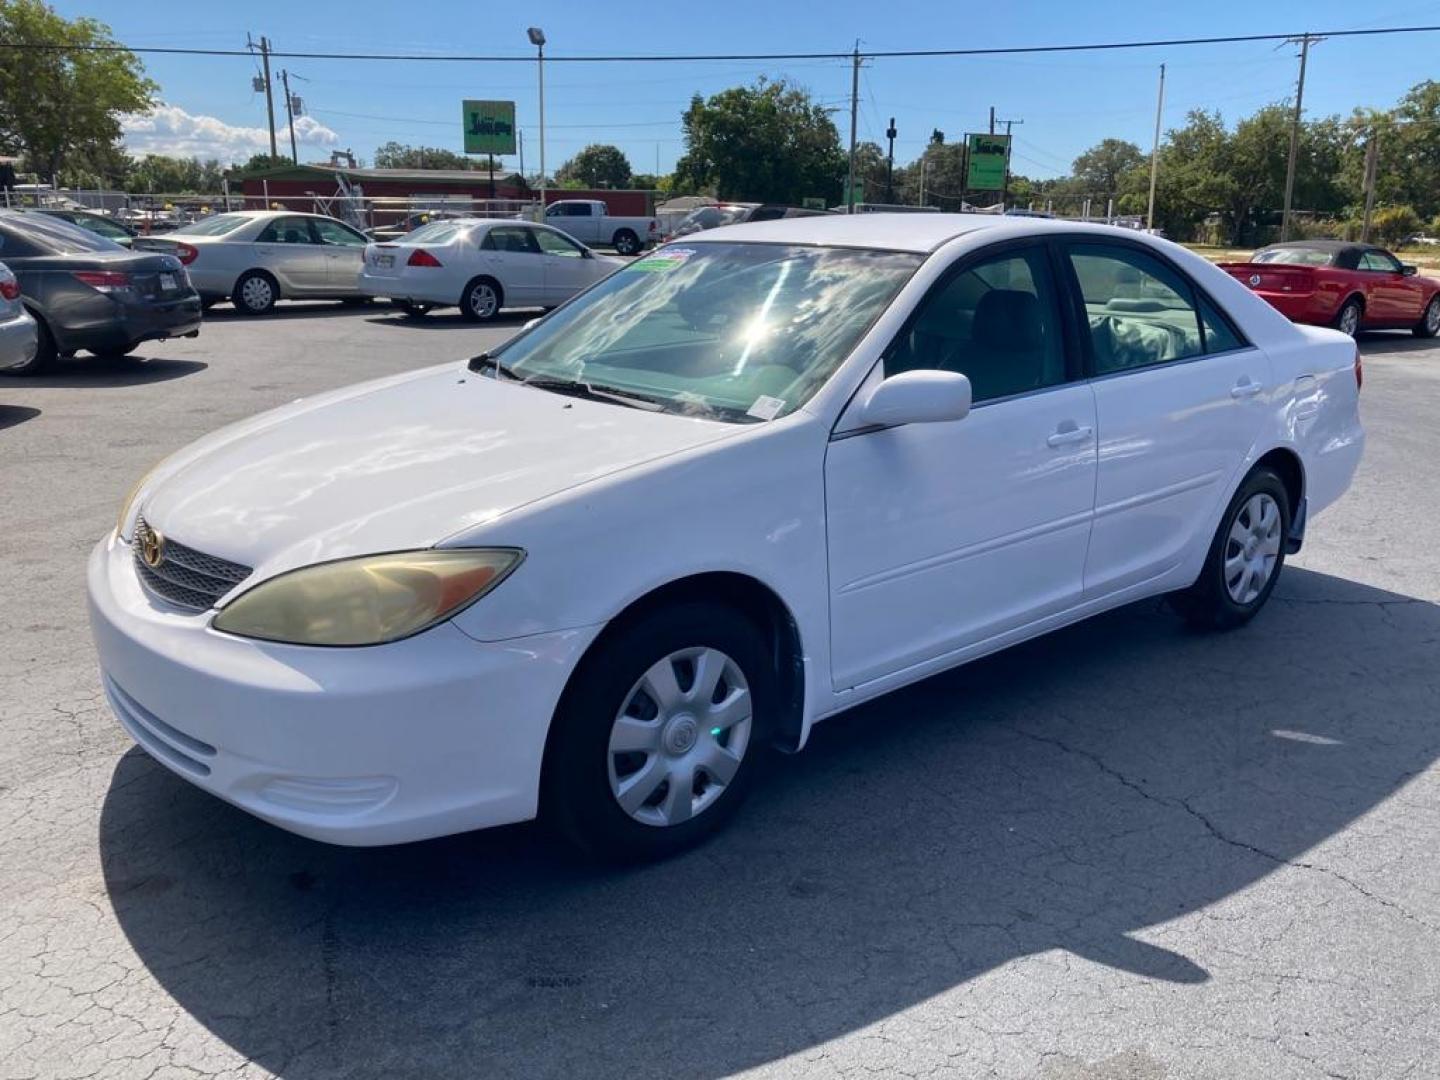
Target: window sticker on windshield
661,261
766,407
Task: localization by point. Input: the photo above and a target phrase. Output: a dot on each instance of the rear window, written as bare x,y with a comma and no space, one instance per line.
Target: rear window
437,232
60,237
218,225
1295,256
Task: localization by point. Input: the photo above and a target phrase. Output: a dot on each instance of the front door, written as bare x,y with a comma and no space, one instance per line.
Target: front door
1394,297
1180,398
344,254
567,271
944,535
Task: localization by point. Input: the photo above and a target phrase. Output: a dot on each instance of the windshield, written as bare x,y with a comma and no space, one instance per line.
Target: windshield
737,332
62,237
1295,256
218,225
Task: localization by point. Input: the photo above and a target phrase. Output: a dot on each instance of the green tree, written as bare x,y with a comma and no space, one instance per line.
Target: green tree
394,155
172,175
1108,167
644,181
598,165
54,102
259,163
769,142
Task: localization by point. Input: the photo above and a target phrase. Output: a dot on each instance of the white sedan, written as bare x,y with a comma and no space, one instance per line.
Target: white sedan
256,257
743,484
482,266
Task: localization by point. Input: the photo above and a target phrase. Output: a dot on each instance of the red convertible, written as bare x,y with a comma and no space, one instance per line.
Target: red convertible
1351,287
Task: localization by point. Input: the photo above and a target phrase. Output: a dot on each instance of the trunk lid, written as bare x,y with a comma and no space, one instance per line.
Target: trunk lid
1273,277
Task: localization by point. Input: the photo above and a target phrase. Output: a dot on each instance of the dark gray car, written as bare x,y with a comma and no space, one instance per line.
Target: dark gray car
88,293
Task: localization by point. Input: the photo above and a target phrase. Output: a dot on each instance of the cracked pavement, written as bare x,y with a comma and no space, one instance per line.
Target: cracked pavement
1124,851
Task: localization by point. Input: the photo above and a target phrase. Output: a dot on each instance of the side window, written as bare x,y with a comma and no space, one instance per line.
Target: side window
995,322
1138,311
1220,335
511,238
554,244
286,230
332,232
1380,262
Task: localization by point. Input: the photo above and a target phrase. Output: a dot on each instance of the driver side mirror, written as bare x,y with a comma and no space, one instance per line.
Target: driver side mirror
1408,270
917,397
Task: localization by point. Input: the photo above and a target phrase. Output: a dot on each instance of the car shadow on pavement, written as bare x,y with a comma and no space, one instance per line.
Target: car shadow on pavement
451,319
12,415
90,372
289,309
1076,793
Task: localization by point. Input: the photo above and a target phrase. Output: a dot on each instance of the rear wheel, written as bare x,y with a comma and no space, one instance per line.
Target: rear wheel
1429,324
255,293
1347,320
1245,558
45,354
660,734
481,300
626,242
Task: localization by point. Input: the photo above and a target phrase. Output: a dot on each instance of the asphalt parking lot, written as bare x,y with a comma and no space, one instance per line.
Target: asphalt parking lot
1123,851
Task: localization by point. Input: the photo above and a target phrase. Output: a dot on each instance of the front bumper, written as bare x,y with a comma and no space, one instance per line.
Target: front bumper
424,737
19,338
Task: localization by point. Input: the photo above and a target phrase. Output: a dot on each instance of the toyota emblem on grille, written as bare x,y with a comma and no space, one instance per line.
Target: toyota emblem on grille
152,547
1254,281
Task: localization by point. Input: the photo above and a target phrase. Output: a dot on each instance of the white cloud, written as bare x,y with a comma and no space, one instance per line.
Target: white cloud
169,129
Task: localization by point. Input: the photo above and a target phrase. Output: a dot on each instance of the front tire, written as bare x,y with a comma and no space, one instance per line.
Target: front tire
1429,324
255,293
660,734
1245,558
1347,319
481,300
626,242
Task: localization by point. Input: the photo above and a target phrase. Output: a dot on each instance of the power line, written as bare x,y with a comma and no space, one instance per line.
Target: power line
1012,50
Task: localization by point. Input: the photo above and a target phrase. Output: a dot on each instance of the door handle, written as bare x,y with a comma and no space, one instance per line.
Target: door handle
1245,388
1070,436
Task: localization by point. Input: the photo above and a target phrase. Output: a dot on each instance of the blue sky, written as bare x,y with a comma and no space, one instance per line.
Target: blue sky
1068,101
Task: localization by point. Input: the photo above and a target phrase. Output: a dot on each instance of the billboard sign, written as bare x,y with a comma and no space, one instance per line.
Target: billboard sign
988,158
489,127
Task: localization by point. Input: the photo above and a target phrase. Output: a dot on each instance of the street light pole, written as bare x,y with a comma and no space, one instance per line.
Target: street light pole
1155,151
537,38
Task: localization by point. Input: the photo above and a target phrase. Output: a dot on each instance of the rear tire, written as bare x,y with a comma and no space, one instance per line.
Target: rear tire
1348,318
482,299
45,355
255,293
1429,324
701,652
626,242
1245,558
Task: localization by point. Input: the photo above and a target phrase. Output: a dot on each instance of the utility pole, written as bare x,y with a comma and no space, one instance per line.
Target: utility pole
890,134
854,112
1304,41
992,119
290,115
1372,161
269,97
1005,184
1155,151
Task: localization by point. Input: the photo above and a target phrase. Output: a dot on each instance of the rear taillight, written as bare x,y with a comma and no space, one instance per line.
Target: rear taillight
9,288
1359,370
186,253
102,280
421,257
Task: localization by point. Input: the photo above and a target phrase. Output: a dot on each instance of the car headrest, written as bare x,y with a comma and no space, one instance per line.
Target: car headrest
292,236
1008,319
1126,303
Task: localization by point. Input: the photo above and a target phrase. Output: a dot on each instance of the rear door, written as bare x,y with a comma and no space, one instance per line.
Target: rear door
1179,398
512,256
292,253
344,253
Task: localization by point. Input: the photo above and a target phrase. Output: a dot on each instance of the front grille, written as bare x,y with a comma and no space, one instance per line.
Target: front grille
184,576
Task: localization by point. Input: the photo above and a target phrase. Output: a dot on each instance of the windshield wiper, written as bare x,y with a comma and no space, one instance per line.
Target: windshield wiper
485,362
581,389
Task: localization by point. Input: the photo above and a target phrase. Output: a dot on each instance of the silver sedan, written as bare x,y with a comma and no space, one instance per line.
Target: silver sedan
256,257
19,338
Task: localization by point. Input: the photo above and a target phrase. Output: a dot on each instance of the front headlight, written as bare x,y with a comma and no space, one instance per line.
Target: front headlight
369,600
129,503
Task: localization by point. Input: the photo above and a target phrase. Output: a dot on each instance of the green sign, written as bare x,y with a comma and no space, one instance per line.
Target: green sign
813,202
989,156
489,127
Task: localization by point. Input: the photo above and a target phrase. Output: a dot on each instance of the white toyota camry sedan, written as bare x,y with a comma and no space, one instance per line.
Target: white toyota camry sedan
482,266
741,485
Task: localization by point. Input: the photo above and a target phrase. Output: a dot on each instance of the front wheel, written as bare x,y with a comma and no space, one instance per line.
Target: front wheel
1245,558
1429,324
626,242
660,734
1347,321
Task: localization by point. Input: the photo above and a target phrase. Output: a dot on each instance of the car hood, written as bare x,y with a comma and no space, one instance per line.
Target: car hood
402,463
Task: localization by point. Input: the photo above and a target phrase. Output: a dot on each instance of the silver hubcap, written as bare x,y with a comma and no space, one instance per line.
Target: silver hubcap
679,737
482,301
256,293
1252,548
1432,316
1350,320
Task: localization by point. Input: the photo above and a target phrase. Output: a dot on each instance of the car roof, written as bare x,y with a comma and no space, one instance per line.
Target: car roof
920,233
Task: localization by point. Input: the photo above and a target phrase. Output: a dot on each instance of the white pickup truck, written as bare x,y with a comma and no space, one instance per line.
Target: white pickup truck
590,222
